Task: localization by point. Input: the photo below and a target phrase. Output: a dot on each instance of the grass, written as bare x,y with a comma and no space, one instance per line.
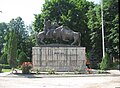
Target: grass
6,70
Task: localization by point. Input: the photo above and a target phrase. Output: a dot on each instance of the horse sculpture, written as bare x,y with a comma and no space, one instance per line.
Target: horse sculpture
42,35
46,34
60,33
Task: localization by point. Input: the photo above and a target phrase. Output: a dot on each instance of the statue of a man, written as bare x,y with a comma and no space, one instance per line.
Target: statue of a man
47,25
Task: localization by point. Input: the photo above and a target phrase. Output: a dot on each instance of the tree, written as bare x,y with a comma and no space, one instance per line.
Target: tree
3,59
12,49
3,31
22,58
66,12
29,42
23,40
111,25
38,23
94,24
111,29
19,27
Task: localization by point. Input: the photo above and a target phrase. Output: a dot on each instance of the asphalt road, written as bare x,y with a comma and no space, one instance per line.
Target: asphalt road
61,82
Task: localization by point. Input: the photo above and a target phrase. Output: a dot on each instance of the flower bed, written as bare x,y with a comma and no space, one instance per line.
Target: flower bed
26,67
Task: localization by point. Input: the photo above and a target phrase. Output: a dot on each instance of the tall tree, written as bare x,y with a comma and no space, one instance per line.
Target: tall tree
111,29
18,31
22,34
111,26
3,31
66,12
94,24
19,26
12,49
29,42
38,23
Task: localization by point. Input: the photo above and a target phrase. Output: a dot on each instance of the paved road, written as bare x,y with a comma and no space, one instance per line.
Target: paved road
61,82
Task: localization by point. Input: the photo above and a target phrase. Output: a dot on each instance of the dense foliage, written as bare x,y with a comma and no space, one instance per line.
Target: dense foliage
71,13
12,49
3,31
22,58
15,39
105,63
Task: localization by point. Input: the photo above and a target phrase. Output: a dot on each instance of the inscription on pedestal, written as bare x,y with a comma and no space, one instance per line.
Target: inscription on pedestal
59,58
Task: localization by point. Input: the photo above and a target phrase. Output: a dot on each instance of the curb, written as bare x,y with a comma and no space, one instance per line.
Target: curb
56,76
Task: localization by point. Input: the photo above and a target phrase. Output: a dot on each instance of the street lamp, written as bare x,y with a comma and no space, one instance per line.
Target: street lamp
103,44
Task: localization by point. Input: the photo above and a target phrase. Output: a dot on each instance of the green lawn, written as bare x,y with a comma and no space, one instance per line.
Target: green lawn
6,70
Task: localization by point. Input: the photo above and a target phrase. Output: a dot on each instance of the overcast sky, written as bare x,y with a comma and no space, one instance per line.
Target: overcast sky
23,8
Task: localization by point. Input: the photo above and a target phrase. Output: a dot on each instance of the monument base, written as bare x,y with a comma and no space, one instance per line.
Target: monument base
59,58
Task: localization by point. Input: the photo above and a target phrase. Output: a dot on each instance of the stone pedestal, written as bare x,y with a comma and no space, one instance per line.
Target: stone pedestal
59,58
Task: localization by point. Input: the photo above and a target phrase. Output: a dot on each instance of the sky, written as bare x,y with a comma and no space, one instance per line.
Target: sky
23,8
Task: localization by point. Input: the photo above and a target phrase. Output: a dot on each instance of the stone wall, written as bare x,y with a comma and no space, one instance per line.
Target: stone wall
59,58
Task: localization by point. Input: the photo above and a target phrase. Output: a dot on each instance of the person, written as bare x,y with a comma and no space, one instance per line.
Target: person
47,25
88,68
88,63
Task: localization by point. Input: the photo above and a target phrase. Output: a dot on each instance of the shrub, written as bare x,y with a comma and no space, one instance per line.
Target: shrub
105,64
0,68
5,66
3,58
115,65
37,71
50,71
22,58
26,67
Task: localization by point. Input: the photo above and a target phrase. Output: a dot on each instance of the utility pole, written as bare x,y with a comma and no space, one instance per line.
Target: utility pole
103,43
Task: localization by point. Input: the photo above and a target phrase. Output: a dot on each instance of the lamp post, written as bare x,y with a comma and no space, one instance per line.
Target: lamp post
103,44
